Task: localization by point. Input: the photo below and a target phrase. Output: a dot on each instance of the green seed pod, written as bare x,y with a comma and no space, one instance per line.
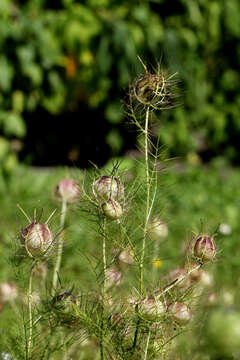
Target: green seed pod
112,209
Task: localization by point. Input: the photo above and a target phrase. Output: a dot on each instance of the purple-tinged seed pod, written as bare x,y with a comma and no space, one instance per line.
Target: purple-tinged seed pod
108,187
180,313
37,239
204,248
68,190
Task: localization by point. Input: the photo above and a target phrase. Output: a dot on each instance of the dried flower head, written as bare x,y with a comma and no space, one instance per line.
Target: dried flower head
37,239
67,190
156,90
108,187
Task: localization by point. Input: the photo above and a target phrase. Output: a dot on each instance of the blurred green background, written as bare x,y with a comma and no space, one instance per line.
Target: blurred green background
67,63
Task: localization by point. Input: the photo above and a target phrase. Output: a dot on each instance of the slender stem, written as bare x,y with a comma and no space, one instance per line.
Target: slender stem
146,150
60,247
147,344
103,287
104,259
29,344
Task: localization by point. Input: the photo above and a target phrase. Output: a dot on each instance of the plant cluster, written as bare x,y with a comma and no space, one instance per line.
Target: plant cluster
55,56
140,319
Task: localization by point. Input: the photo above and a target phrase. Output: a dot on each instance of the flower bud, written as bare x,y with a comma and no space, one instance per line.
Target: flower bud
37,239
68,191
204,248
112,209
151,308
108,187
8,292
180,312
157,229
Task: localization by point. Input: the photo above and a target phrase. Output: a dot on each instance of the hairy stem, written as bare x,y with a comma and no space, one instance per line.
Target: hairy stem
147,177
60,247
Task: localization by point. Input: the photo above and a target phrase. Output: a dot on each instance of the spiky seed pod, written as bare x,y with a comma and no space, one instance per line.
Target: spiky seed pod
8,292
151,308
108,187
157,229
68,191
180,313
112,209
155,90
204,248
37,239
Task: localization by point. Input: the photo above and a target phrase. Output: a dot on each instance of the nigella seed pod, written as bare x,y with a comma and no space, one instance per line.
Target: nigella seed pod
8,292
157,229
151,308
37,239
113,278
204,248
180,313
112,209
67,190
108,187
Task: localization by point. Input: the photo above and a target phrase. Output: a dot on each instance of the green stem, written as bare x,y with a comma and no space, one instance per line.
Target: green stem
147,344
103,287
60,248
146,151
29,344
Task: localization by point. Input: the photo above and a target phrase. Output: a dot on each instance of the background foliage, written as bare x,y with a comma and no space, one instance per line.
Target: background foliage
61,57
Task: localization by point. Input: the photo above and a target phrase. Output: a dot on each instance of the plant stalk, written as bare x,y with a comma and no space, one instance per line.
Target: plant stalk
29,344
60,247
147,178
103,287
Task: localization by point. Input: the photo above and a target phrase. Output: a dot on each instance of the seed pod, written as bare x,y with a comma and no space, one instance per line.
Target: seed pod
37,239
180,312
108,187
204,248
151,308
113,277
68,191
112,209
127,256
8,292
157,229
195,272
